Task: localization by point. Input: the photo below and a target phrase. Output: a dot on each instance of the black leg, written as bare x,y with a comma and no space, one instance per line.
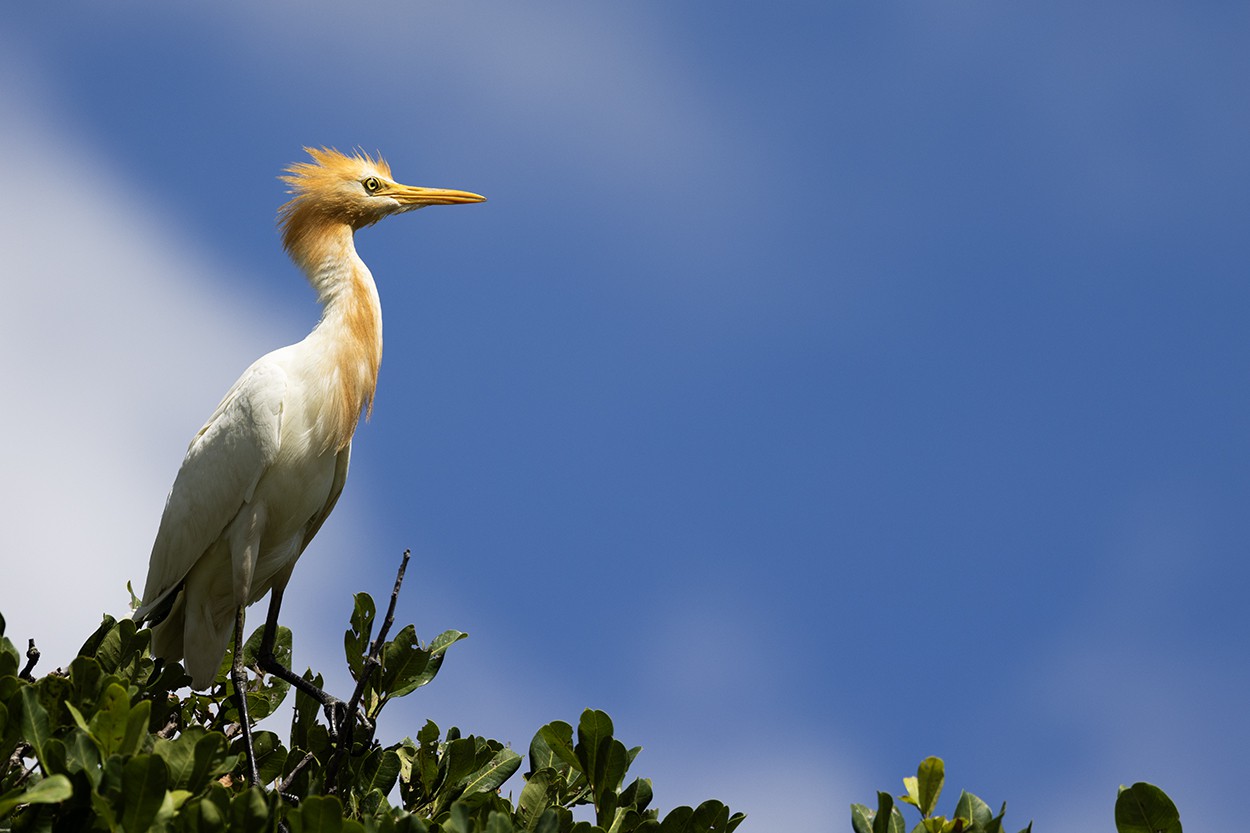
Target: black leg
335,709
238,676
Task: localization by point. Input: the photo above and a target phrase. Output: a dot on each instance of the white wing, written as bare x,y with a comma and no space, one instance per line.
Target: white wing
336,488
219,474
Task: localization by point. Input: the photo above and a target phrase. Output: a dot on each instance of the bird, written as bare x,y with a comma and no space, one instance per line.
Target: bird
265,471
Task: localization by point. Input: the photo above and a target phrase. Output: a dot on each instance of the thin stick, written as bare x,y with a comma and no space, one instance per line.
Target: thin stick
32,657
23,749
287,781
372,662
376,646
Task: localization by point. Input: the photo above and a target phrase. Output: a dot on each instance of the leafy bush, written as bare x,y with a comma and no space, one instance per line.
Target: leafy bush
1141,808
108,744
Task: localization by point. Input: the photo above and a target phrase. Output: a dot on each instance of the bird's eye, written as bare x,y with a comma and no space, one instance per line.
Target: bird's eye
371,184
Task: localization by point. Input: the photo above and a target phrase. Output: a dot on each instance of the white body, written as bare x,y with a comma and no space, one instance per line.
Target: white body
258,481
265,471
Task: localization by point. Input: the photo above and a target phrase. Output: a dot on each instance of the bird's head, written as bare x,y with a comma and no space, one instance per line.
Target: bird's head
355,190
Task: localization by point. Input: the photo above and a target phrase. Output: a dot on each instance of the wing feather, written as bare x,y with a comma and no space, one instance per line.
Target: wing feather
336,489
224,463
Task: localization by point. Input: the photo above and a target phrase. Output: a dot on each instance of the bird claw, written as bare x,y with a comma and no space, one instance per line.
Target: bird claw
340,726
336,716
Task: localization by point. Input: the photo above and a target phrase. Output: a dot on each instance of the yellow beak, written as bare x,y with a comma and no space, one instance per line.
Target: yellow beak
411,195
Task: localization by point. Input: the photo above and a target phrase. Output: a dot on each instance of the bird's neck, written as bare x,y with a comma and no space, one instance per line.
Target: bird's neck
348,338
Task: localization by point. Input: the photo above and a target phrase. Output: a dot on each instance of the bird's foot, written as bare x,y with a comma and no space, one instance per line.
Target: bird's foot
343,725
336,716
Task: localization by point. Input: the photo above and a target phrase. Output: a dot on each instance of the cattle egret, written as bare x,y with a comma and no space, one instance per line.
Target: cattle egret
265,471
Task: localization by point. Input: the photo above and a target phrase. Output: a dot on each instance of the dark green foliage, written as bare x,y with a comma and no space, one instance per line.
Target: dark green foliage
117,743
110,745
1142,808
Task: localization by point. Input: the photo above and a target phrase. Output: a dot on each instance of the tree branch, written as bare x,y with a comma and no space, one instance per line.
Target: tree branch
372,663
32,657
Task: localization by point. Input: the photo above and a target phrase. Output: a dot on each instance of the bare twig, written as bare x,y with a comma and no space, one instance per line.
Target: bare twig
17,759
287,781
23,749
32,657
376,646
372,663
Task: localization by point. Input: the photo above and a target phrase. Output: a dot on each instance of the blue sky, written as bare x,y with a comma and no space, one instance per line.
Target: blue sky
824,386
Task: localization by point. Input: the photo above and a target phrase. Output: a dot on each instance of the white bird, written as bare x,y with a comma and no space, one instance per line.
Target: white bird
265,471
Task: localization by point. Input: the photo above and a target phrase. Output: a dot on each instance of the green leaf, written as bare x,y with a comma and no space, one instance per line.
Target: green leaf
861,819
306,711
536,796
50,790
144,782
445,640
92,645
976,811
551,821
678,820
637,795
356,638
202,816
995,825
249,811
179,756
212,759
912,785
192,758
108,724
887,819
625,819
270,755
83,755
437,651
35,728
498,822
378,772
373,804
498,769
318,814
427,756
594,740
265,694
9,659
122,648
460,821
1144,808
403,663
710,815
931,775
136,728
457,762
552,746
87,676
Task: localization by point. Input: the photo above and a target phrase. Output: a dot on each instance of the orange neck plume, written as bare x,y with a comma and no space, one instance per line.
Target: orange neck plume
350,330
